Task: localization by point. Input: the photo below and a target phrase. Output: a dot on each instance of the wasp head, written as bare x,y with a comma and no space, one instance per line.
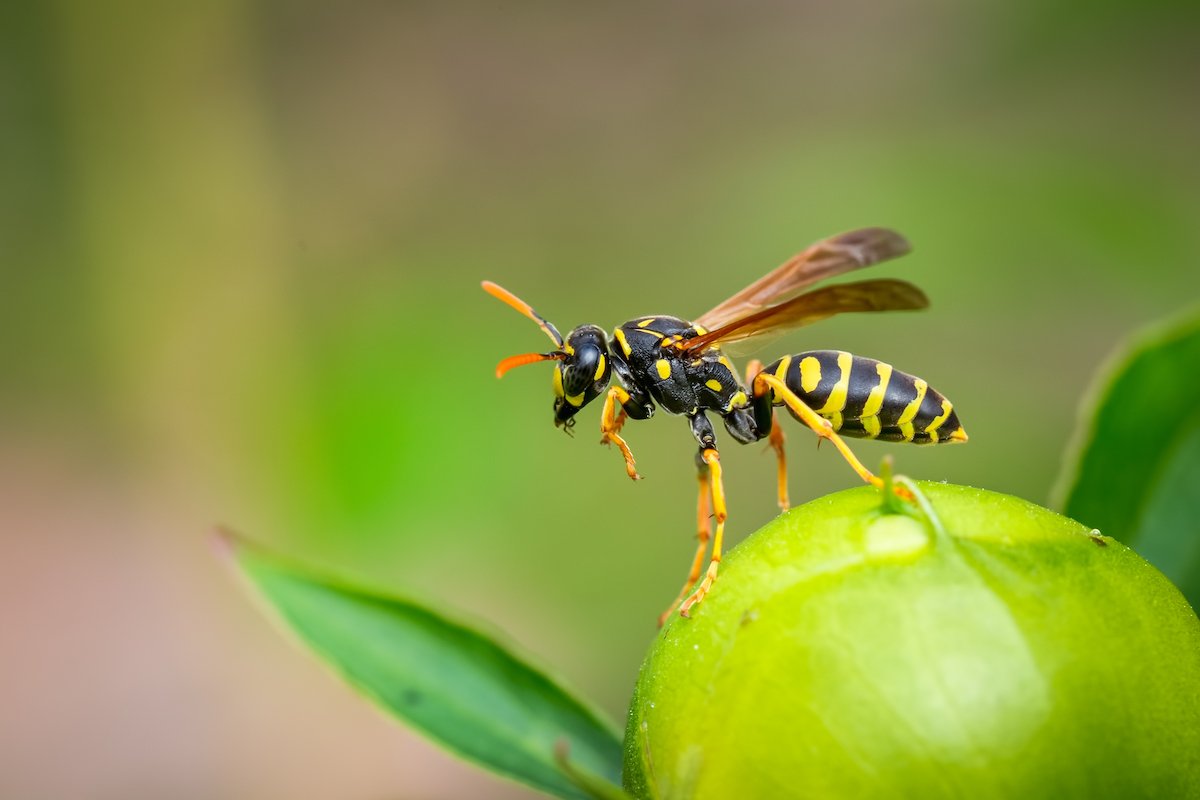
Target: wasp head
582,373
583,368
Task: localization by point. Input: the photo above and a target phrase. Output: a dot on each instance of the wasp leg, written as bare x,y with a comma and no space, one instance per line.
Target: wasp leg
610,426
775,438
713,459
819,425
703,534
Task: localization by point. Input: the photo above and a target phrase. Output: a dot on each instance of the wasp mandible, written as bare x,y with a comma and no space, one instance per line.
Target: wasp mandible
676,364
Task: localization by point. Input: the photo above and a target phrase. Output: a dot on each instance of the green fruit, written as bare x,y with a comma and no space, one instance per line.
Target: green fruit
851,651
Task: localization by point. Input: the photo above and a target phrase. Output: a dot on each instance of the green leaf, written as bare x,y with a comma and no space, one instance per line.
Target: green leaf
1134,471
450,682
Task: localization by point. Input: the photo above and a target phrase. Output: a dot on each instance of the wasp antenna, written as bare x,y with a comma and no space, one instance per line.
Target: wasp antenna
525,358
507,297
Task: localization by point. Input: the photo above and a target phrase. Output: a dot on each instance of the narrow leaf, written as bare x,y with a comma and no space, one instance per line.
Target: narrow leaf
1134,472
452,683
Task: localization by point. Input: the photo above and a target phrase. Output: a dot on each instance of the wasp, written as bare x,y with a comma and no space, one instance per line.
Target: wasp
678,365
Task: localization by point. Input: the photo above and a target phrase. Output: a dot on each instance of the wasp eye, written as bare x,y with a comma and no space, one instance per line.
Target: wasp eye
579,373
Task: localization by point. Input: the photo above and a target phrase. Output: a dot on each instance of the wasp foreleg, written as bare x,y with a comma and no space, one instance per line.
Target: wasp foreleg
611,423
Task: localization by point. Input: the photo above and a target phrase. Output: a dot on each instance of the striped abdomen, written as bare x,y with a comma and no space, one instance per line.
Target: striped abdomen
868,399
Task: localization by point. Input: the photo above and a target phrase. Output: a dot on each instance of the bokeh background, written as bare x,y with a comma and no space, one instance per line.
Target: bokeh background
241,251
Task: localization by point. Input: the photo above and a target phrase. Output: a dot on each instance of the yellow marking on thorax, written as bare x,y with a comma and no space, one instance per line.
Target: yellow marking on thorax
621,340
939,419
810,373
699,329
575,399
727,364
910,410
713,384
738,400
837,395
664,368
647,321
600,368
568,349
875,398
871,426
558,387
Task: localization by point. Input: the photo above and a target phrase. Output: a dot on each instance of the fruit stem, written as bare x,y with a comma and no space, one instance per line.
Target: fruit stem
926,507
892,504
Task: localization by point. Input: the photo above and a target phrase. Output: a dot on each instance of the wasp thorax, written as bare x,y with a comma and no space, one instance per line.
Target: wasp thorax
582,372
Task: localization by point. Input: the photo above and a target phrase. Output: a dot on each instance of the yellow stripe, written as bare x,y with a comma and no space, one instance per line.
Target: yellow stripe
875,398
737,401
664,368
699,329
568,349
937,422
646,322
871,426
621,340
906,428
575,399
715,385
727,364
835,417
810,373
599,368
837,395
910,410
558,387
781,370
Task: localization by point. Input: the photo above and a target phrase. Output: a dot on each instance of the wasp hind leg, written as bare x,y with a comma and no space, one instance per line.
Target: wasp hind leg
765,383
775,437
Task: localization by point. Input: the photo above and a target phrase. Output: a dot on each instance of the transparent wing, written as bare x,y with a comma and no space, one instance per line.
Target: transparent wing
876,295
828,257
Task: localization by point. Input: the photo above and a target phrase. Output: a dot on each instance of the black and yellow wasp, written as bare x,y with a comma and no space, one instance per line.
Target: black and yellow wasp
678,365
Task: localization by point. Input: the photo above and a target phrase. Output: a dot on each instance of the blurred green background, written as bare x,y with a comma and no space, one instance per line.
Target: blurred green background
241,259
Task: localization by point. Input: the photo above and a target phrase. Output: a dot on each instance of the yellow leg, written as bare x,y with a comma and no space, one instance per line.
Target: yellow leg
775,439
610,426
713,459
822,428
703,512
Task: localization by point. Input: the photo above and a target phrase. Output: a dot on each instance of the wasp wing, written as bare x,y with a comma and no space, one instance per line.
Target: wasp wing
876,295
826,258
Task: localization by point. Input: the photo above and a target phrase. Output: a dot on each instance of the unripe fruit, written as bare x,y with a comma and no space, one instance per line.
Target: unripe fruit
850,651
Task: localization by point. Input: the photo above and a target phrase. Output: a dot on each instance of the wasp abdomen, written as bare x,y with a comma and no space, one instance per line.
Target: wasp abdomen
868,399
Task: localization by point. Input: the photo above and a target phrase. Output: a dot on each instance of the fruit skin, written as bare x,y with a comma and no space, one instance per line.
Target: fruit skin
847,652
